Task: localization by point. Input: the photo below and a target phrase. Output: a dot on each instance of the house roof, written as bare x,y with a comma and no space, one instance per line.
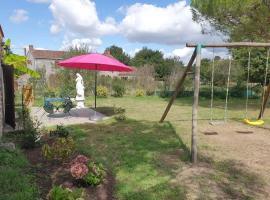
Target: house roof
1,31
47,54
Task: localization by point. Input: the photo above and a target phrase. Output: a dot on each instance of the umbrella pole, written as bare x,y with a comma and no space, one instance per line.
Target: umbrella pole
96,88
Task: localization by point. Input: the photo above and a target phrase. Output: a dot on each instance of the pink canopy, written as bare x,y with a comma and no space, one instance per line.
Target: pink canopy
95,61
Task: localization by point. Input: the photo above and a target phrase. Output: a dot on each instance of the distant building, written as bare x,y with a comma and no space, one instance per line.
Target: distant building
43,59
39,60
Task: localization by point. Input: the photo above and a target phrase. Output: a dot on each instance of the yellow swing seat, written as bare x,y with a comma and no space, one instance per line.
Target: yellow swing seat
258,122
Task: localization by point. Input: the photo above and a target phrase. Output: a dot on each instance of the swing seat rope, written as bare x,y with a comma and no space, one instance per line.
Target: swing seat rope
258,122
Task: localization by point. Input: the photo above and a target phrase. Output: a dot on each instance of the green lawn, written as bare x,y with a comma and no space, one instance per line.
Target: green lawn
16,181
150,161
134,151
148,158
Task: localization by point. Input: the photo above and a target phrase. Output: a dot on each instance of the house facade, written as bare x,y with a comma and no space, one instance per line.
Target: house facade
43,60
2,93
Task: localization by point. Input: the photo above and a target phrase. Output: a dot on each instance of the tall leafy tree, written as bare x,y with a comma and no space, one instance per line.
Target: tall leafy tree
154,58
241,21
119,54
246,20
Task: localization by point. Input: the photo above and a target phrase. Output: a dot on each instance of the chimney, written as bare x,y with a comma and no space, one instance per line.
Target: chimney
31,47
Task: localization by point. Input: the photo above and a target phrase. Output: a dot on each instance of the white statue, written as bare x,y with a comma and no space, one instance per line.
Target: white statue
80,91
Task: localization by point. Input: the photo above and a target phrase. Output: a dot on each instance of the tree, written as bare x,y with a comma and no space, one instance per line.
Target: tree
236,18
220,72
163,66
242,21
119,54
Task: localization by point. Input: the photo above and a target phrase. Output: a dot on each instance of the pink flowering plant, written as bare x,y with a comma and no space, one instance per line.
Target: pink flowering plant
80,159
78,170
87,171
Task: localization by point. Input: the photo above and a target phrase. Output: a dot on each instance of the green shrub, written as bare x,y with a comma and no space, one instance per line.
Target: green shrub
102,91
60,150
120,117
50,93
60,193
165,93
60,131
95,175
30,134
119,110
150,92
118,89
139,93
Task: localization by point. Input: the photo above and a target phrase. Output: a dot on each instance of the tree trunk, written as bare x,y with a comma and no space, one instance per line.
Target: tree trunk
264,101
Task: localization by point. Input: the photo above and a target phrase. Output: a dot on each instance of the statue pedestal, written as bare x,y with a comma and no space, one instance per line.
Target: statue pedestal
80,104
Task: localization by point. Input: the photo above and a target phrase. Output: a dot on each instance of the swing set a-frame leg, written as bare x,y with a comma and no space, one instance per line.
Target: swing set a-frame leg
179,85
264,101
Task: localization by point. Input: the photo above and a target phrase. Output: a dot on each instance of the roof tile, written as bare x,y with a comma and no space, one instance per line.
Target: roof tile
47,54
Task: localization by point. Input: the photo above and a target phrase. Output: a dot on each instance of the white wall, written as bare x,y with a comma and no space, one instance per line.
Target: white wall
38,64
49,65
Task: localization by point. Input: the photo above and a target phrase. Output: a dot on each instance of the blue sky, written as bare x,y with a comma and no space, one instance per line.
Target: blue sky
55,24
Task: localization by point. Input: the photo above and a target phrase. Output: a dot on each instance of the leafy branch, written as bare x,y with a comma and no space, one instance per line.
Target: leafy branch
18,62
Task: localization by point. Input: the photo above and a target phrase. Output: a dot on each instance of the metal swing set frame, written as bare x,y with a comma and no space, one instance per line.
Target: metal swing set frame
197,56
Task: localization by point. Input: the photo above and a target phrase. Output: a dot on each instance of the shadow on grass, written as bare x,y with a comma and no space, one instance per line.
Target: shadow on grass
132,149
145,157
108,111
235,180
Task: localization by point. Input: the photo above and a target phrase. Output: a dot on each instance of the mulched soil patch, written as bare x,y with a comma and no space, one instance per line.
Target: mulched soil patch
54,173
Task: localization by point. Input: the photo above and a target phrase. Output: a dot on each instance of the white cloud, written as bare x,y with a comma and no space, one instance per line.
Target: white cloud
39,1
19,16
185,53
133,52
93,43
79,17
170,25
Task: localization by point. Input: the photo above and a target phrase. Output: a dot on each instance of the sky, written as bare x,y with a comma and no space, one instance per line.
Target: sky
164,25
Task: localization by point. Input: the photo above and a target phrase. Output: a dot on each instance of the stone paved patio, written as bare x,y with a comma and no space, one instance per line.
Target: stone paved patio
75,116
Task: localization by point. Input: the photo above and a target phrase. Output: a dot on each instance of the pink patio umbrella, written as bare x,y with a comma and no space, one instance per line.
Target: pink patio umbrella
96,62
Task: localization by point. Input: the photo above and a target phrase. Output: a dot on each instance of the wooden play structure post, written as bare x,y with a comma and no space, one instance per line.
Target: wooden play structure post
179,86
197,54
194,154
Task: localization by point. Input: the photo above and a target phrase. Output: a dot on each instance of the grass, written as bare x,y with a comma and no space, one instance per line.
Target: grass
151,160
16,181
133,150
141,152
